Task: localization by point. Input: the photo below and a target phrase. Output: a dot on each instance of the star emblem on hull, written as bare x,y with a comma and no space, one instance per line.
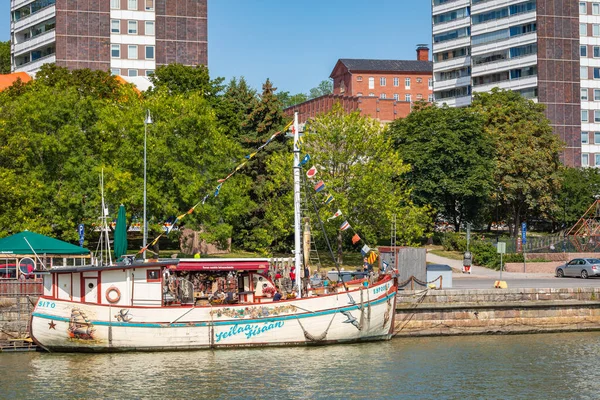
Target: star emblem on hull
52,325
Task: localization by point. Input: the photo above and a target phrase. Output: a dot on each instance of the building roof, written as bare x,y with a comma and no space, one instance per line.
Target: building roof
359,64
8,79
20,244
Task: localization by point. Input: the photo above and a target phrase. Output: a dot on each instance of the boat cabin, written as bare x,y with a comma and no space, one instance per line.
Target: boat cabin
173,282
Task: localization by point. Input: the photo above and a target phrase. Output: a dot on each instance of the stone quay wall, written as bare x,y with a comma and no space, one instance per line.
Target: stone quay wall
496,311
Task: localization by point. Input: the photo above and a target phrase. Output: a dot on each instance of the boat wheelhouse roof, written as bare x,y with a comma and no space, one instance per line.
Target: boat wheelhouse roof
137,264
223,264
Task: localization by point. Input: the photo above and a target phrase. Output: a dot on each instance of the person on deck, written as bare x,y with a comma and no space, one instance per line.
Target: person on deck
277,295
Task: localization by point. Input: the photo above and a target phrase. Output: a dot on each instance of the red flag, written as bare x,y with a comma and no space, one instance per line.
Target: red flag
311,172
355,238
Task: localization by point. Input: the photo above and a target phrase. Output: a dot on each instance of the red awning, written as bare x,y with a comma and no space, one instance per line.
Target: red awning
224,265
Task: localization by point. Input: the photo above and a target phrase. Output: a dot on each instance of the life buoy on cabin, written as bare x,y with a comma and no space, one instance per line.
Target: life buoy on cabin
113,294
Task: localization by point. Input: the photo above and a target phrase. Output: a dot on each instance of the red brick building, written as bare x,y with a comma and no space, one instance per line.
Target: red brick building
381,89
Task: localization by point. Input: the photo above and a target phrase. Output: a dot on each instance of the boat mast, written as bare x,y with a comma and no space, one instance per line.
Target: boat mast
297,216
104,238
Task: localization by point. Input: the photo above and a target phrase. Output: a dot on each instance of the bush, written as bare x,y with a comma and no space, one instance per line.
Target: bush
484,254
453,241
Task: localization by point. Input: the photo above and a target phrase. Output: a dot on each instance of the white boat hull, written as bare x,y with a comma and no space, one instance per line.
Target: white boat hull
357,315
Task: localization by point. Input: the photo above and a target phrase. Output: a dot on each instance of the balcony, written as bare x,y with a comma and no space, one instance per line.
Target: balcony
503,23
451,64
34,19
33,66
514,41
503,65
450,83
20,3
462,101
457,23
490,5
451,5
511,84
44,39
452,44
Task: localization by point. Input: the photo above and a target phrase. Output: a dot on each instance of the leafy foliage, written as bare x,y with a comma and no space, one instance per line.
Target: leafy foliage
580,186
5,57
181,79
451,159
527,154
365,174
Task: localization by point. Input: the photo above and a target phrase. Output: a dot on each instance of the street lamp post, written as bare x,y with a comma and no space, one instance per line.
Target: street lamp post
147,121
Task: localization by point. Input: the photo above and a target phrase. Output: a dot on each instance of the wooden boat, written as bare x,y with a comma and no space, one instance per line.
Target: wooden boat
202,304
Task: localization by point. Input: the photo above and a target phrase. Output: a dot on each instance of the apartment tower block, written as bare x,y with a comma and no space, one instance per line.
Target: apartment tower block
528,46
126,37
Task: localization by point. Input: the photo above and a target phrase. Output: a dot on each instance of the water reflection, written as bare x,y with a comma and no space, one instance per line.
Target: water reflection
469,367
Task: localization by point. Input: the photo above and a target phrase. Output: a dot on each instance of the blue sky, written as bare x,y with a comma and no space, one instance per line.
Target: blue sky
296,43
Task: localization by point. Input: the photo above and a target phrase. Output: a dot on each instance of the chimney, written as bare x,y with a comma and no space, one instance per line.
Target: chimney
422,52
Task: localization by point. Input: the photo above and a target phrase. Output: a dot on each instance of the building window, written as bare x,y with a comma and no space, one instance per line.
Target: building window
596,116
132,4
359,94
149,29
371,82
597,96
584,94
396,81
430,83
115,50
596,51
596,73
595,30
115,71
582,30
371,94
585,157
407,97
132,27
149,52
149,72
149,5
583,72
584,115
595,8
396,96
430,98
597,140
359,78
597,159
382,81
584,138
115,26
115,4
132,72
419,80
382,95
583,51
419,96
132,52
407,83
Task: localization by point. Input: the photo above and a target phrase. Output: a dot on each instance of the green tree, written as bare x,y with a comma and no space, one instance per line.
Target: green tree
325,87
365,174
527,154
237,104
5,57
451,160
178,78
287,100
580,187
255,232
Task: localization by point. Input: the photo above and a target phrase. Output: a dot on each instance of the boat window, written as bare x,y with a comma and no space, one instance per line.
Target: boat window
153,275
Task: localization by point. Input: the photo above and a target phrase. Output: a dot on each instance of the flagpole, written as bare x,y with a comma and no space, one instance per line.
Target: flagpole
297,218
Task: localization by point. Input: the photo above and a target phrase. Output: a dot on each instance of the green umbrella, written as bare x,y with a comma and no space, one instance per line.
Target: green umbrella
121,233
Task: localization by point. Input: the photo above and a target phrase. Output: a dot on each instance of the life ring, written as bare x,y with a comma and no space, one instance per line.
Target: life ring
113,299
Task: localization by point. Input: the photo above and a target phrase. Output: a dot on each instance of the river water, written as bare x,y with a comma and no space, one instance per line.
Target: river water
545,366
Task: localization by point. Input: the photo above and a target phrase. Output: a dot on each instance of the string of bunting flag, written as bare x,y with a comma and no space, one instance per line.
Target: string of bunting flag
320,187
216,191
